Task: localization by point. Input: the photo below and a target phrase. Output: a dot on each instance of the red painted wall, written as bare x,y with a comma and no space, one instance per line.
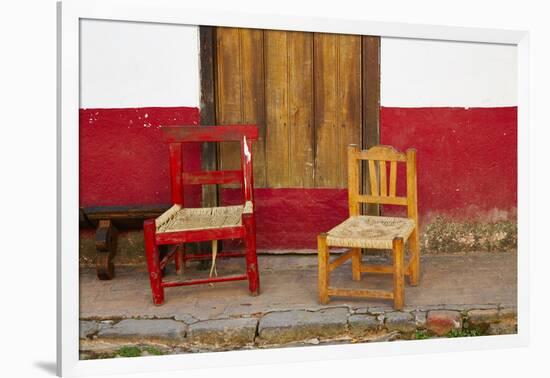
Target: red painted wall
467,159
467,168
123,160
290,219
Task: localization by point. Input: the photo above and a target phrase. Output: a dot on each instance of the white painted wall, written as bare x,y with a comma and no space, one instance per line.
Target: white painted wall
130,64
421,73
134,64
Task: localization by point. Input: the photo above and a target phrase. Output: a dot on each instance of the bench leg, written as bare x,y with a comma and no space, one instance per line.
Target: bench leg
323,273
106,245
398,274
251,257
153,262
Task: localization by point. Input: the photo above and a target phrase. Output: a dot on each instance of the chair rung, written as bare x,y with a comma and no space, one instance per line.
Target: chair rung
360,293
340,260
208,256
384,269
204,281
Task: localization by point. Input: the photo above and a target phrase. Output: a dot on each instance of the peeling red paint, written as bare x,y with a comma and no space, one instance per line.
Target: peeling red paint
123,160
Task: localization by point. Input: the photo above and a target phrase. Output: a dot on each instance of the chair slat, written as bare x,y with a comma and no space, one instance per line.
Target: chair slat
373,179
382,200
383,180
211,177
386,153
393,178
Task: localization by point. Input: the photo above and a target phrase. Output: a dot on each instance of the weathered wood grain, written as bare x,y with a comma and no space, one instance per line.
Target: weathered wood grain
370,54
240,92
338,114
289,108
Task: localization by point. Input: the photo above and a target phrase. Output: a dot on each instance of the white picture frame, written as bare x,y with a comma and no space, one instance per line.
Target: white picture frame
174,11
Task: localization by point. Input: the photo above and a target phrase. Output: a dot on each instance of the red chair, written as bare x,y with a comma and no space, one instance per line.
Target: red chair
180,225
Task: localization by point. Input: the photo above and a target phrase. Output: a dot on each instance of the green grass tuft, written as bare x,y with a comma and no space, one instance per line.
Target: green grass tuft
463,333
154,351
421,334
129,351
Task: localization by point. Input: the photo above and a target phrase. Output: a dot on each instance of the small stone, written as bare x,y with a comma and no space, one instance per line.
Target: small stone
87,328
441,322
420,319
165,330
508,314
481,319
314,341
482,316
361,310
400,321
379,310
299,325
223,332
363,325
502,329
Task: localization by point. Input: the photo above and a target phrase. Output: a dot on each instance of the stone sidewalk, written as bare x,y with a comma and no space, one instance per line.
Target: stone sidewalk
472,292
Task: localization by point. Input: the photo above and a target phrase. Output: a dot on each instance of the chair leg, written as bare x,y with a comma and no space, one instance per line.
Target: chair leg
398,273
251,257
153,261
323,273
179,259
414,246
356,264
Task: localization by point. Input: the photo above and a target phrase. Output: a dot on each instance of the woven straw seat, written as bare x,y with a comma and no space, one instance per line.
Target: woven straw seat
184,219
370,232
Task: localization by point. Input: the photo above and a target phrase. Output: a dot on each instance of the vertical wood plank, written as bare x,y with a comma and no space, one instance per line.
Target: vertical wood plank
289,108
327,138
349,95
207,37
337,76
240,92
371,103
301,116
277,108
253,96
229,91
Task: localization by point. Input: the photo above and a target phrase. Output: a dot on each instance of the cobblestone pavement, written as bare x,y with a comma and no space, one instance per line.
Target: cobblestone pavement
476,290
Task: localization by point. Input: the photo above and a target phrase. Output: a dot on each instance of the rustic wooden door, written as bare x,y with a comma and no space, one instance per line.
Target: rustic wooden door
311,95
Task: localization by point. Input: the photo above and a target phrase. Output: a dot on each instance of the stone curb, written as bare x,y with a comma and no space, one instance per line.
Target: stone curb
291,327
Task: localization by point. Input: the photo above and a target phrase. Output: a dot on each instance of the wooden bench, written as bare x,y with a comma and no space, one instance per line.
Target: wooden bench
108,220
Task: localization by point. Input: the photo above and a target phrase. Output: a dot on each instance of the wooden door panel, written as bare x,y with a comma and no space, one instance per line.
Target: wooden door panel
337,62
306,93
289,109
240,92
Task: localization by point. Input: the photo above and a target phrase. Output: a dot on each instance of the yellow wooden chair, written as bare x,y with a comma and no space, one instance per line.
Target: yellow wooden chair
359,231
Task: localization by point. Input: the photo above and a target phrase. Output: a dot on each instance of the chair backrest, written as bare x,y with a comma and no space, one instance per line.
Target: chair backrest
176,135
382,190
